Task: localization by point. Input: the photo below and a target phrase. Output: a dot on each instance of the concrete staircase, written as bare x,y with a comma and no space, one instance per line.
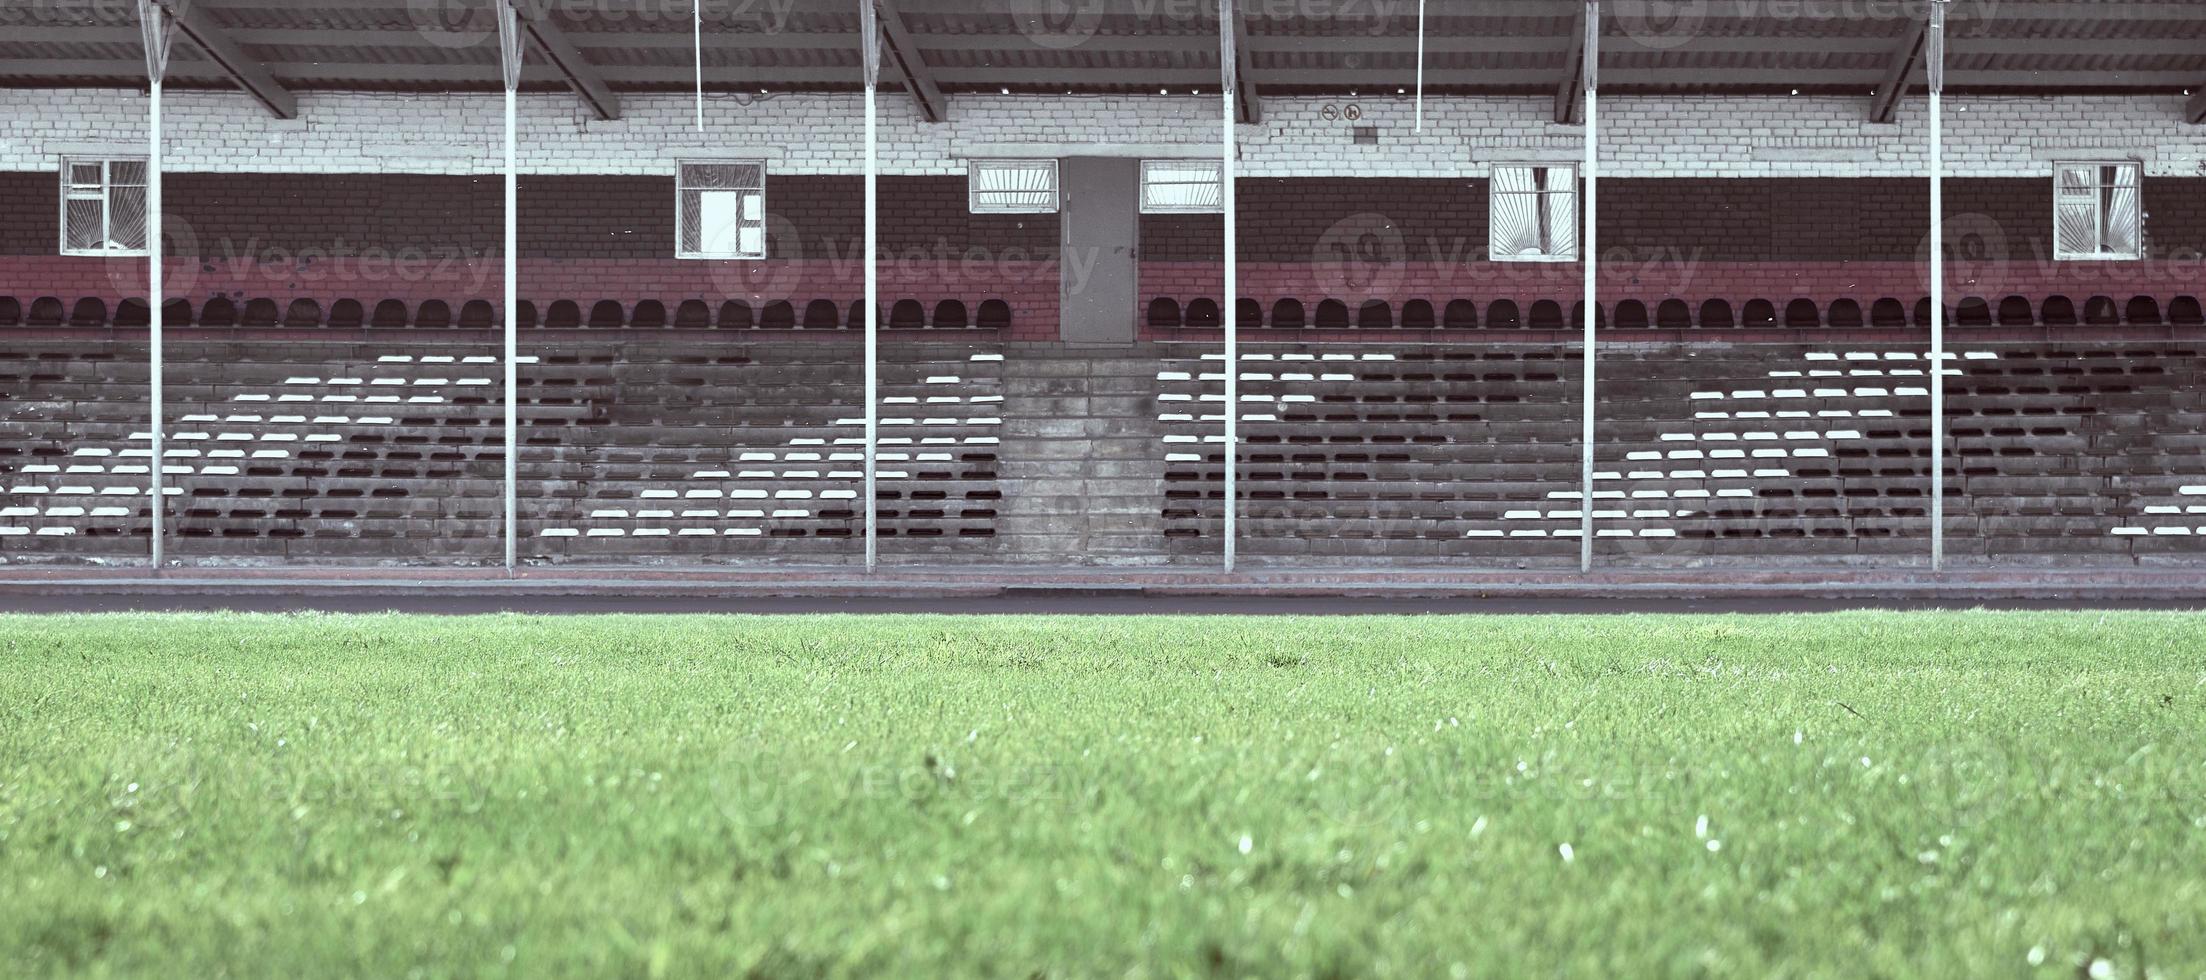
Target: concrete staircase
1083,469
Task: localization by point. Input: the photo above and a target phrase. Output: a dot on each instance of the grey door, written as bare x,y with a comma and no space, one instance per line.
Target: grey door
1096,281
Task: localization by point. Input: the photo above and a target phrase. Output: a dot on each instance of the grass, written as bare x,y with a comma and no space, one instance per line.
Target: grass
1851,794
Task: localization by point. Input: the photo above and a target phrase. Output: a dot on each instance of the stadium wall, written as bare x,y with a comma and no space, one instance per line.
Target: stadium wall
1731,199
307,433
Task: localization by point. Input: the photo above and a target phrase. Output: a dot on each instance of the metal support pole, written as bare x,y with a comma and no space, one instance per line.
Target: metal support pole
868,19
156,27
1935,62
1232,301
510,51
1420,66
697,55
1590,245
158,506
513,336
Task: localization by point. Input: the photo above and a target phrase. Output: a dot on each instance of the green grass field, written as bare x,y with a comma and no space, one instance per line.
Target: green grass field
1843,795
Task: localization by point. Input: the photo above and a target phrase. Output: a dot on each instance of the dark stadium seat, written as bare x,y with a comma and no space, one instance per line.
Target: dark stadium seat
88,312
260,313
2184,311
1203,312
778,315
478,314
1375,314
950,315
906,314
1164,311
1759,314
692,314
434,314
564,314
2059,311
1888,312
1248,313
1417,315
1803,313
347,314
734,315
2143,311
607,314
388,313
995,314
1715,314
1845,314
218,312
303,313
1546,315
1501,314
1459,314
1332,314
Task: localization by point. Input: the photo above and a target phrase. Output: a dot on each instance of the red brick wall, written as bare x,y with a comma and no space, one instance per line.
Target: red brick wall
1724,220
587,238
584,238
610,217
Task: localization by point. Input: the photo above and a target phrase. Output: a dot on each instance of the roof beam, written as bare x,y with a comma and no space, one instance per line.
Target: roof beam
584,77
1248,102
1899,70
248,73
2194,111
1570,96
897,44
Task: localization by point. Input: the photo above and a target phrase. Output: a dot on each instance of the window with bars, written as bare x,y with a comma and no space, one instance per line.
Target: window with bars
1534,213
1182,187
721,210
1012,186
2096,211
103,206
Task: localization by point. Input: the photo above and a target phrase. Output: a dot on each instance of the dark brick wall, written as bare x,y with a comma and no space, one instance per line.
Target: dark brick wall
1724,220
1282,220
30,215
610,217
1288,219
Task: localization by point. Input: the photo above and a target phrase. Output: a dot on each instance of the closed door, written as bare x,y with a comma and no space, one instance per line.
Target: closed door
1101,198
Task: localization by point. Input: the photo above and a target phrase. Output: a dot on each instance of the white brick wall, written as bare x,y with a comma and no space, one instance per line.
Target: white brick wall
1641,137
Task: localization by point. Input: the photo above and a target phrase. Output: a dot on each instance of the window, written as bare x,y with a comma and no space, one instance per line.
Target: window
1012,186
721,210
103,207
2095,211
1182,187
1534,214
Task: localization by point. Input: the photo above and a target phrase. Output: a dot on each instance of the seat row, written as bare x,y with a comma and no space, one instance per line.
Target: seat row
818,314
1675,314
